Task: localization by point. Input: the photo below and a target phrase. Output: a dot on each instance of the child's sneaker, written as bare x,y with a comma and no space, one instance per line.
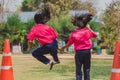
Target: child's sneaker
51,65
57,62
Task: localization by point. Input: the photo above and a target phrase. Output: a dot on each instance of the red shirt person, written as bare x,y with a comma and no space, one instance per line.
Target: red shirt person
44,34
81,38
47,38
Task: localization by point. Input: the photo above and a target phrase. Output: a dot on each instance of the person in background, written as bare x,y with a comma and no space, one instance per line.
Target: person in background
81,38
46,36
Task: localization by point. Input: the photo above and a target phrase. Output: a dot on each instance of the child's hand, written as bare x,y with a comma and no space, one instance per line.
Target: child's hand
88,26
29,45
61,49
28,49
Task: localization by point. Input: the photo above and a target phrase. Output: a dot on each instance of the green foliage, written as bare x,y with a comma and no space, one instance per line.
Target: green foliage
66,27
109,39
95,26
54,23
56,7
25,6
31,5
110,32
63,26
14,29
1,35
29,24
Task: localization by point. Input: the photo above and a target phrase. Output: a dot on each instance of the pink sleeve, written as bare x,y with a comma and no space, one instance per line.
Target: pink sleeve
31,35
71,40
92,33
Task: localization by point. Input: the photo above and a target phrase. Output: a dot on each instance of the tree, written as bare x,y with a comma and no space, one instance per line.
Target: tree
111,30
63,26
25,6
1,35
14,30
86,5
57,7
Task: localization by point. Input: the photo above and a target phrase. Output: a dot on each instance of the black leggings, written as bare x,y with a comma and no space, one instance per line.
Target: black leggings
45,49
83,58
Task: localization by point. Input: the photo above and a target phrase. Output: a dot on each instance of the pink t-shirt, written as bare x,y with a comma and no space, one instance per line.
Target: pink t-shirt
81,38
43,33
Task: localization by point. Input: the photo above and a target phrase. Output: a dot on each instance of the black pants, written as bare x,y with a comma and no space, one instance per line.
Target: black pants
45,49
83,59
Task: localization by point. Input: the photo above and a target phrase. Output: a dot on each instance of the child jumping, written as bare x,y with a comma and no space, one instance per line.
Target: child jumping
46,37
81,38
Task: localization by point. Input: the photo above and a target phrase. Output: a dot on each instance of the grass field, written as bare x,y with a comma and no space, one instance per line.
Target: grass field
25,67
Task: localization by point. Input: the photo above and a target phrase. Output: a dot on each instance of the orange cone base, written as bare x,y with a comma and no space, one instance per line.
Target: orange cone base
7,74
115,76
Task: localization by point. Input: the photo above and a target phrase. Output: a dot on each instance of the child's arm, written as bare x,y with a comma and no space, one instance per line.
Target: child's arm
29,45
62,49
92,32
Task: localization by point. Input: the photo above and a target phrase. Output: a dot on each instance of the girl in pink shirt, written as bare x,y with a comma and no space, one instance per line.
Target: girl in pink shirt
46,37
81,38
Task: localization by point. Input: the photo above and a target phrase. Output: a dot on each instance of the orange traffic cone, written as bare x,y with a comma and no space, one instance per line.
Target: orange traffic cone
6,72
115,73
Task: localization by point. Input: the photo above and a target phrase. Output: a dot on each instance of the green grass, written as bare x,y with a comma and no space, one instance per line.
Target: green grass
25,67
101,69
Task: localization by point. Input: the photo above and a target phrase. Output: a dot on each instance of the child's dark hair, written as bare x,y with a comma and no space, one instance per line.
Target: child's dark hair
82,20
42,17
